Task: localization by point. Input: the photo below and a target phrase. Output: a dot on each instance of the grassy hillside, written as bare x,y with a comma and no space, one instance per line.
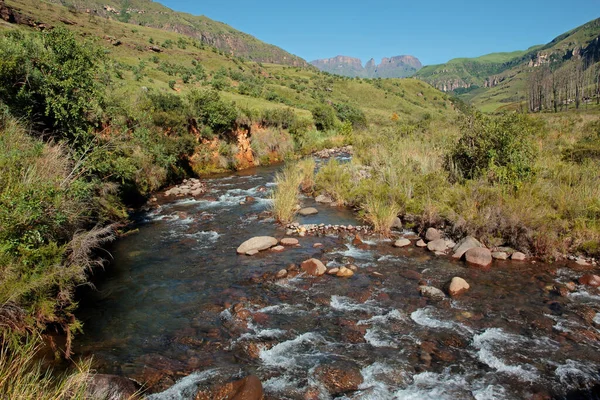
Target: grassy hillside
500,80
153,14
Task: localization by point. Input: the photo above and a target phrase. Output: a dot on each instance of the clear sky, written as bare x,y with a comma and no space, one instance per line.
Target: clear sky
434,31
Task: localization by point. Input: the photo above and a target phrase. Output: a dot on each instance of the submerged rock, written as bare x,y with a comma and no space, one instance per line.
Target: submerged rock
479,256
590,280
324,199
249,388
339,377
432,293
457,286
308,211
257,243
464,245
313,267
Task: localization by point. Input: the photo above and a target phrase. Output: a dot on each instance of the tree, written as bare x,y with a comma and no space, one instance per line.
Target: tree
324,117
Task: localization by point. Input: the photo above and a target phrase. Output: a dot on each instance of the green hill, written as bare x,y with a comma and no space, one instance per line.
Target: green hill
500,80
155,15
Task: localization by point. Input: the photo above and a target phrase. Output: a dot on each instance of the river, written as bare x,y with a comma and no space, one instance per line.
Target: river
179,306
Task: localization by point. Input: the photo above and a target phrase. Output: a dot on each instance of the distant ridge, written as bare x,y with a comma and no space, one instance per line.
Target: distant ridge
393,67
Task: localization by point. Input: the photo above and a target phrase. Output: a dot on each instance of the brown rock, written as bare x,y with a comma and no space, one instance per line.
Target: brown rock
467,243
278,249
402,242
101,386
248,388
333,271
357,241
457,286
339,377
344,273
313,267
590,280
281,274
479,256
437,245
432,234
289,242
257,243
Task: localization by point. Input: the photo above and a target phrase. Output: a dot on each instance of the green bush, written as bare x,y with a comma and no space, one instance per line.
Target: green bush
354,115
282,118
50,80
207,108
324,117
500,148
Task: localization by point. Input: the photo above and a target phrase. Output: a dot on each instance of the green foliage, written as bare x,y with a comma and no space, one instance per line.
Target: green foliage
50,80
499,148
353,115
282,118
324,117
206,107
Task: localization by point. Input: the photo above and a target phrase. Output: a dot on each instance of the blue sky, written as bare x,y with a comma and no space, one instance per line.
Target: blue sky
434,31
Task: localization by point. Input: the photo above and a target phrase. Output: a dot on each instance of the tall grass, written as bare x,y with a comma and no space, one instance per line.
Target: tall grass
23,377
285,194
380,213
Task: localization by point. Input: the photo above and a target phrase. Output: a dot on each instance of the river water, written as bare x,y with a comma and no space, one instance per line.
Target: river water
178,307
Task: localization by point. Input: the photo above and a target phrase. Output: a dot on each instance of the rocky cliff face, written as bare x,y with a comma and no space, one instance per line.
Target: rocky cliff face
394,67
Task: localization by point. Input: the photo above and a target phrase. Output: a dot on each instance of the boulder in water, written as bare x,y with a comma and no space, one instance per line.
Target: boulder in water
432,234
421,243
432,293
313,267
397,224
479,256
457,286
289,242
467,243
324,199
257,243
437,245
308,211
402,242
500,255
344,273
518,256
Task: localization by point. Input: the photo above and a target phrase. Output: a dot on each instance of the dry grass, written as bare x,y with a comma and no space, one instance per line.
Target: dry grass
285,194
23,377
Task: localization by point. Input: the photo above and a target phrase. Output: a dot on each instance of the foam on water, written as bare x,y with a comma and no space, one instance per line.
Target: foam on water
393,315
342,303
284,309
378,337
295,353
433,386
424,317
187,387
575,375
493,339
356,253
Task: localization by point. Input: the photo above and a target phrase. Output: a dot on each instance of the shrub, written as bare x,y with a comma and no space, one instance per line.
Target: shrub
499,148
282,118
285,194
324,117
208,109
353,115
50,79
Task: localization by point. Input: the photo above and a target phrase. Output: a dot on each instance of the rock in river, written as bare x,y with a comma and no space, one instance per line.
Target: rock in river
339,377
344,273
479,256
432,234
518,256
432,292
590,280
313,267
308,211
324,199
248,388
289,241
402,242
457,286
257,243
437,245
467,243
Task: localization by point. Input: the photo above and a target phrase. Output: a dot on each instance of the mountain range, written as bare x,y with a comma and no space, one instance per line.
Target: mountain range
393,67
